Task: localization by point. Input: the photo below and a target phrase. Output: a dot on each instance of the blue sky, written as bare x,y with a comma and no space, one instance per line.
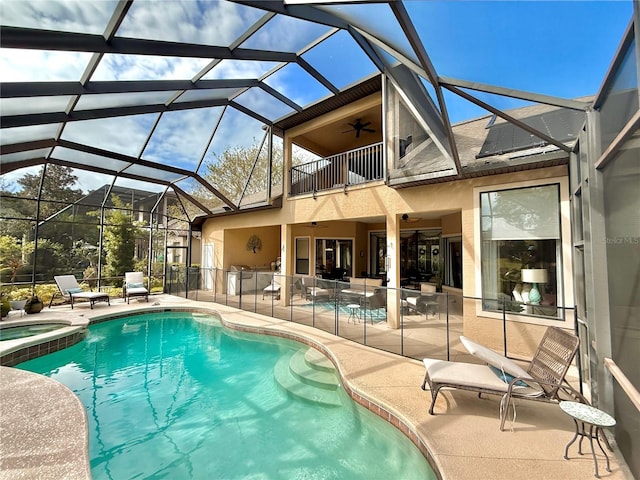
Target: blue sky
560,48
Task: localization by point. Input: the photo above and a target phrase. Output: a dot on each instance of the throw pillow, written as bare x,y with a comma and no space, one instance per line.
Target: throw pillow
505,377
135,285
74,290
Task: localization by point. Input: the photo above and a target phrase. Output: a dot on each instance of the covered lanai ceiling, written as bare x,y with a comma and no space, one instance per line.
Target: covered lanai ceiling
147,94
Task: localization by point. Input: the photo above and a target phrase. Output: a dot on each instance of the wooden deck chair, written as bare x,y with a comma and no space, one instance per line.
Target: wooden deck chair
71,291
133,286
543,380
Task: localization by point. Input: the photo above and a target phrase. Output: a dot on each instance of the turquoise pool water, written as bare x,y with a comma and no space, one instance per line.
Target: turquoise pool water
175,396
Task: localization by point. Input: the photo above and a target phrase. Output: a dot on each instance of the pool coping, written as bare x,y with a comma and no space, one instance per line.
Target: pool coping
388,385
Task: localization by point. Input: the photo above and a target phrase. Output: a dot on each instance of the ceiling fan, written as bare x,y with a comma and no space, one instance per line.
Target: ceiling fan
358,127
316,225
407,219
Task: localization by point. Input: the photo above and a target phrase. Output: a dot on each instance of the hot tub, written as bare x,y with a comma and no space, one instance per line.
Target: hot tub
11,332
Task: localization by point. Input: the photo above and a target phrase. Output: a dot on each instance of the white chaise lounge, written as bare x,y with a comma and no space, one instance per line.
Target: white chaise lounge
71,291
543,380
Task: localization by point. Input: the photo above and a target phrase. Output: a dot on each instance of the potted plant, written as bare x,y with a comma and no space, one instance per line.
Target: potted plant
4,306
17,304
18,297
33,305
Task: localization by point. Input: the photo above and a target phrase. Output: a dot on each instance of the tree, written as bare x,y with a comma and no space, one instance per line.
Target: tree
232,168
57,187
119,239
11,256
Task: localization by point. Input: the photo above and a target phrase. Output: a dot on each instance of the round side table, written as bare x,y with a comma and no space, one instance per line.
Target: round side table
589,422
353,312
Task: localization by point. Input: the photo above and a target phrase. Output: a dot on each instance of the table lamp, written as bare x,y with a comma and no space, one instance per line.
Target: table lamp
534,276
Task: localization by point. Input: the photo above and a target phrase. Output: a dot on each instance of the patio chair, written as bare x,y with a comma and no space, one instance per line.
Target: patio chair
134,286
375,304
543,380
71,291
314,292
272,290
426,302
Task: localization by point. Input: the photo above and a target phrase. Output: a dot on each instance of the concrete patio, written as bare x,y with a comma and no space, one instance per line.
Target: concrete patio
43,425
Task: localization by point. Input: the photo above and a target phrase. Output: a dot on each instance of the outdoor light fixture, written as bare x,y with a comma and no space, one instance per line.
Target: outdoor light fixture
534,276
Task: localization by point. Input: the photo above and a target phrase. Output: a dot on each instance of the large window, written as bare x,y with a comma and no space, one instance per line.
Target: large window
334,258
521,246
452,261
302,256
420,258
378,254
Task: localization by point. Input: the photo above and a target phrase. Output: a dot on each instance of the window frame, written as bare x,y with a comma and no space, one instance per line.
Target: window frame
564,294
298,258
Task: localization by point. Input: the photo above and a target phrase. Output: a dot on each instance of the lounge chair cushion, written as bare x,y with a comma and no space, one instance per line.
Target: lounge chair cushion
90,295
132,292
492,358
468,375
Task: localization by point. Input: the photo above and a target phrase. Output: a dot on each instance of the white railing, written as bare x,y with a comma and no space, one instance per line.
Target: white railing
623,381
355,167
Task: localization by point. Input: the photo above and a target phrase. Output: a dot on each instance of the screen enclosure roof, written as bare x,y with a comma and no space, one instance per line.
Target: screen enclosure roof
146,94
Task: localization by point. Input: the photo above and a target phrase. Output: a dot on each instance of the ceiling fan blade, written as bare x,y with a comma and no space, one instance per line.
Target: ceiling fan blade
369,130
357,133
365,124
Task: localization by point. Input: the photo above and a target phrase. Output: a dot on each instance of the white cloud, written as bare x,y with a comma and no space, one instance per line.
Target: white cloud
239,69
41,66
120,134
180,137
210,23
80,16
140,67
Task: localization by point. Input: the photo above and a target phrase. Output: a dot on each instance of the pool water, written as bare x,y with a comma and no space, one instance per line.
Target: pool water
177,396
22,331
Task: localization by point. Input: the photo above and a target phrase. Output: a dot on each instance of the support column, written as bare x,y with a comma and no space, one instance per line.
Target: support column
393,271
286,264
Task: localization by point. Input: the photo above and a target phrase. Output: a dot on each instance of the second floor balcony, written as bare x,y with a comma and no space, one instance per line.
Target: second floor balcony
355,167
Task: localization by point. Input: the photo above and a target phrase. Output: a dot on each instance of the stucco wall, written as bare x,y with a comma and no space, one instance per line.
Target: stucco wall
236,253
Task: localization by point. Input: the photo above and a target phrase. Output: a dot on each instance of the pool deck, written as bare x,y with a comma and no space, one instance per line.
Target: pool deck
43,425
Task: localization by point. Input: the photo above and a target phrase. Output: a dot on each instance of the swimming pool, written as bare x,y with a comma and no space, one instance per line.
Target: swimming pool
176,395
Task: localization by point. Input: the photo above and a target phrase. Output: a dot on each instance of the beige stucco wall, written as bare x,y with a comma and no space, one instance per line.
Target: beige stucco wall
236,253
451,224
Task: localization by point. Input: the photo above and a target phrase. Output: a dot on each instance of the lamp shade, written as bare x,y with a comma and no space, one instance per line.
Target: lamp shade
534,275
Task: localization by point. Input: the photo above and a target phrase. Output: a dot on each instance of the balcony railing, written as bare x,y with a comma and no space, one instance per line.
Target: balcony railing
355,167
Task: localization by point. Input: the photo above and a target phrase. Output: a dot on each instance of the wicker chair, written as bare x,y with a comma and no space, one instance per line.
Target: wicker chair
543,380
374,303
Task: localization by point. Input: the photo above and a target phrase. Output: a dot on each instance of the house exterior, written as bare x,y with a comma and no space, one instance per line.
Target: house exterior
374,205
